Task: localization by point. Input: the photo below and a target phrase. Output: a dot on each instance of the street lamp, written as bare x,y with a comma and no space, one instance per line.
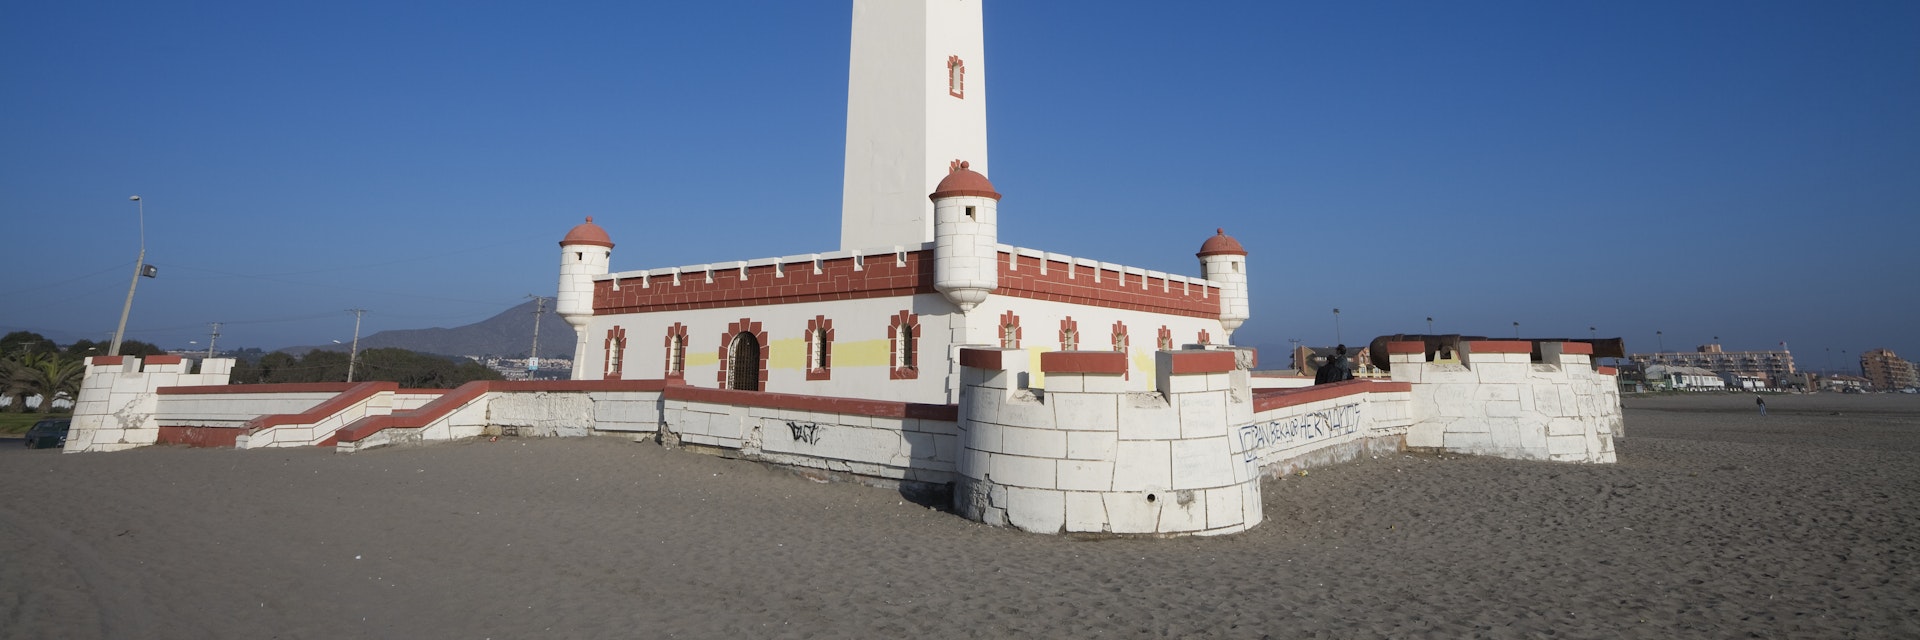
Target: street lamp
139,265
1516,329
1336,327
1593,332
1662,339
1429,325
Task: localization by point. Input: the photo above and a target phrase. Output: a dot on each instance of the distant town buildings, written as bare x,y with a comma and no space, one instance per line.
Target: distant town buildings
1886,371
1741,369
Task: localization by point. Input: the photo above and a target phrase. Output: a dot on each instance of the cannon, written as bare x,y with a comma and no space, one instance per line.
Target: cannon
1448,345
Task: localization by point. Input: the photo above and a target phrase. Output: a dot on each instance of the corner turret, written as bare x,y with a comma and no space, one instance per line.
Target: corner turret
1222,260
965,235
584,253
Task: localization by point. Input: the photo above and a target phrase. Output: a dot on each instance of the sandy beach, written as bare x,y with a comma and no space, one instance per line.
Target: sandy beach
1717,523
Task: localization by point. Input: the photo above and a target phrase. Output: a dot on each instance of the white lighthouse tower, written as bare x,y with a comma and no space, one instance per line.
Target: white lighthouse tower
916,99
584,253
966,227
1222,260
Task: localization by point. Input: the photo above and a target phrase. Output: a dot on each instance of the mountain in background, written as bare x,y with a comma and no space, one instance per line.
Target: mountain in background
509,334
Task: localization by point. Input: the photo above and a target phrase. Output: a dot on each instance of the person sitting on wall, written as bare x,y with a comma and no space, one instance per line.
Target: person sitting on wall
1336,369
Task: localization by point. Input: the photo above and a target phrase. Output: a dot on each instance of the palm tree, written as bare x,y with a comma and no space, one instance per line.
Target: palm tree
11,385
49,376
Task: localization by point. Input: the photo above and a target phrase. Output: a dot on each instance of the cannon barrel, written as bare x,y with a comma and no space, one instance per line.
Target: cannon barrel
1450,343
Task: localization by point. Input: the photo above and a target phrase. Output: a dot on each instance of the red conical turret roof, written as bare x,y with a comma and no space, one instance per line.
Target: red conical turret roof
1221,244
964,181
588,233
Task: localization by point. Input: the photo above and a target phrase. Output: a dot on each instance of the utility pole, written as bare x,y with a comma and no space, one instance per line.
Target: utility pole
139,267
215,339
353,356
539,309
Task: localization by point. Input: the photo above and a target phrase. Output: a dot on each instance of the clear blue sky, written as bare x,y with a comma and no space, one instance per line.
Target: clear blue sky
1747,170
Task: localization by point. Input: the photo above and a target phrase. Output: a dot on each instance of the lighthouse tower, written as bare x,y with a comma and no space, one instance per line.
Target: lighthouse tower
1222,260
584,253
966,229
916,99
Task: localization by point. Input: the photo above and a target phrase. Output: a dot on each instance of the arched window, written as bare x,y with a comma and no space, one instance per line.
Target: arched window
903,343
616,348
819,348
1069,335
956,77
1009,330
676,350
743,356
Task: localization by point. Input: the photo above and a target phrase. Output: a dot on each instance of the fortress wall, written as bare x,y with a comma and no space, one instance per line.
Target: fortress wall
118,398
1497,401
1085,455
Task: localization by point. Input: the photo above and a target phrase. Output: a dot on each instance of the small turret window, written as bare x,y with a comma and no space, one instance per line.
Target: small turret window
579,255
969,213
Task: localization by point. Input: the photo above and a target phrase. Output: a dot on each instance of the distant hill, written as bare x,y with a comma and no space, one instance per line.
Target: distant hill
508,334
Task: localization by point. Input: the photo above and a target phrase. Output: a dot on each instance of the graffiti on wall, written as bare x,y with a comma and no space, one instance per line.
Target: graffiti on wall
805,432
1261,438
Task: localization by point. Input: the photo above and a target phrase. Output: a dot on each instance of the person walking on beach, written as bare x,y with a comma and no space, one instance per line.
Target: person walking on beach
1763,404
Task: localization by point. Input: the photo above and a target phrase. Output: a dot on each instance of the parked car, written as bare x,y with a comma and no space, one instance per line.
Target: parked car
51,432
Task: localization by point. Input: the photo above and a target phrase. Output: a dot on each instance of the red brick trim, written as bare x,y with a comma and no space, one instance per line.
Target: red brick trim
1576,348
204,437
789,283
359,392
988,359
1164,341
904,360
1407,347
734,329
106,360
824,360
1009,320
1281,398
163,360
956,77
614,356
1114,290
1499,346
817,404
285,387
675,368
1069,334
1185,362
1606,371
1121,341
1205,338
1096,362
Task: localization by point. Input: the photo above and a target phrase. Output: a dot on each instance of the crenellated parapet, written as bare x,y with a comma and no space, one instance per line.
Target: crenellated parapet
118,398
1497,400
1086,456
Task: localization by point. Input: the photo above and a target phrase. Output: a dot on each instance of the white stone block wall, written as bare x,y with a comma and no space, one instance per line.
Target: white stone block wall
118,400
1496,402
231,409
1086,455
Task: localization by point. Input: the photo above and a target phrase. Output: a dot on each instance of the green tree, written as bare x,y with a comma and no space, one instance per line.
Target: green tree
20,343
50,376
